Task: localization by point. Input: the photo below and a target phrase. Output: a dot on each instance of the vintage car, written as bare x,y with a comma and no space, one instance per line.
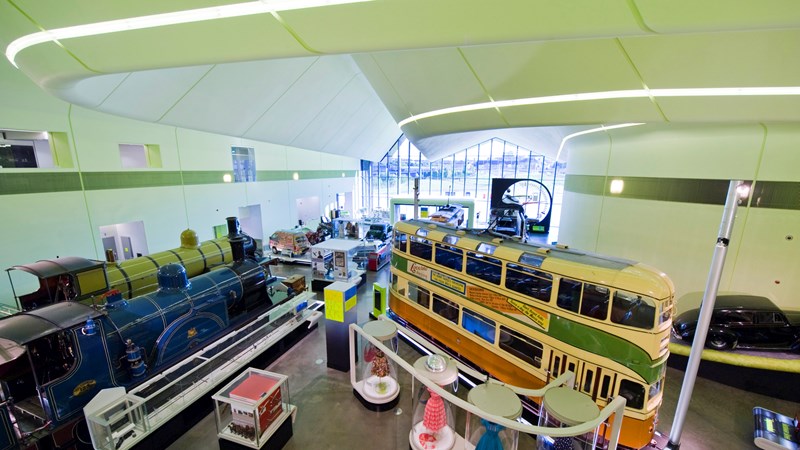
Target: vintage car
449,214
744,321
379,232
292,242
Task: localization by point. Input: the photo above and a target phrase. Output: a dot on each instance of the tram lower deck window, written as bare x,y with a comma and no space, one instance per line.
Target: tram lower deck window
521,346
478,324
420,295
633,392
445,308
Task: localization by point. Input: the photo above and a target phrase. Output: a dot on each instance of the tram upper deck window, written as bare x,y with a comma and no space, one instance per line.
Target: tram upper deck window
489,249
448,256
569,294
445,308
478,324
484,267
633,310
633,392
421,248
450,239
666,312
595,301
655,388
521,346
400,241
531,260
530,282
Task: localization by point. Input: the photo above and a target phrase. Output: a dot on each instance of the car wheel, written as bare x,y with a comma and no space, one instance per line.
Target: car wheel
275,250
719,342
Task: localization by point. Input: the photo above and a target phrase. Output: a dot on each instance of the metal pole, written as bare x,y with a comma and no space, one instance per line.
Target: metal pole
706,308
416,198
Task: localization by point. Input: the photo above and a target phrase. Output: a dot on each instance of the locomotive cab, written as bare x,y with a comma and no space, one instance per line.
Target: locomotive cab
62,279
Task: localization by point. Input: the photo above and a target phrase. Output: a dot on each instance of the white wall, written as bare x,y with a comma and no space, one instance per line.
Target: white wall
52,224
679,238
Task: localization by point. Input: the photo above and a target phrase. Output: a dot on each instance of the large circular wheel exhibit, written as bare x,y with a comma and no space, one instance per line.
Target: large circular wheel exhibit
512,196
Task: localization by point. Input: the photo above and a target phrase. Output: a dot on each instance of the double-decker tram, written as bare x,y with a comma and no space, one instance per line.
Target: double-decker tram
526,313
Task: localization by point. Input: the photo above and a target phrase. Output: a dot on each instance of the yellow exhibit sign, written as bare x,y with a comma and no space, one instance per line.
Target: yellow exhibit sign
334,305
539,317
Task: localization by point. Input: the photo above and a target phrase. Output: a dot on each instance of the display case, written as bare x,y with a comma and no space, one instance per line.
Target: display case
495,400
565,407
252,410
433,425
378,388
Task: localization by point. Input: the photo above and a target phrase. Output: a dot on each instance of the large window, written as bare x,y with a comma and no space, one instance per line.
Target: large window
244,164
466,173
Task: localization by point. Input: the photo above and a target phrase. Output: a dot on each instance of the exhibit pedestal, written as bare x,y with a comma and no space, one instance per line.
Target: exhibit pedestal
340,312
276,441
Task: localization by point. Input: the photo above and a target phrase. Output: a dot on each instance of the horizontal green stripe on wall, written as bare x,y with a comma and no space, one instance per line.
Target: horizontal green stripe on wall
35,182
682,190
766,194
124,180
38,182
776,194
283,175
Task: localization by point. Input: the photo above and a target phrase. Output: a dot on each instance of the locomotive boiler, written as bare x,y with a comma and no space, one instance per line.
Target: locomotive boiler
84,280
54,359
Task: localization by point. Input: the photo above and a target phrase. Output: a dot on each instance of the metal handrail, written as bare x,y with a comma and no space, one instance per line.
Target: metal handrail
615,407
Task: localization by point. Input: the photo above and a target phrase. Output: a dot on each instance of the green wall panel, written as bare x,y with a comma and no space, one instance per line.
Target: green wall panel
38,182
124,180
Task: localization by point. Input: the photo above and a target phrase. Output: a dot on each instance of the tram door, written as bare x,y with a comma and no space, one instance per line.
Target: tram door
560,363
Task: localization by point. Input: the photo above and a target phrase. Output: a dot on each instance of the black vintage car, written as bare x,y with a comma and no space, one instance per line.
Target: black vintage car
744,321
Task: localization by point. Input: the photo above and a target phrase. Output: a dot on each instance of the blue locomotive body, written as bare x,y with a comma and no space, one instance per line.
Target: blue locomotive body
73,350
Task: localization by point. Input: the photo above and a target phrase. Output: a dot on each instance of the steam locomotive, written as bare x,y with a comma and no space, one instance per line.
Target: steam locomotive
79,279
55,358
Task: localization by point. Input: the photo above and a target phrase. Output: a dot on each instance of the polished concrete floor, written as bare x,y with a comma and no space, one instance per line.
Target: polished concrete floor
330,417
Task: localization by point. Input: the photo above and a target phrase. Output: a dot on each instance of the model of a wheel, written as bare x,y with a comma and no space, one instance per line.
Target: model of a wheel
275,250
720,342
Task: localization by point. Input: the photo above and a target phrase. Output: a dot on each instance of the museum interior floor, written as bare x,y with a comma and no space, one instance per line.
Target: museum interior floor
330,417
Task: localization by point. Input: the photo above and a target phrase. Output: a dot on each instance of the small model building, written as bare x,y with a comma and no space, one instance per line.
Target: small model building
254,389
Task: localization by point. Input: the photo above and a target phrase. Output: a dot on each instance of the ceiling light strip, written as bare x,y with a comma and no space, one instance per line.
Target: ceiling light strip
165,19
611,95
590,131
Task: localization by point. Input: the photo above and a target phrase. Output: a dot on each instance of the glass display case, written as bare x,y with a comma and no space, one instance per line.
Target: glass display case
378,387
565,407
496,400
113,418
433,422
252,407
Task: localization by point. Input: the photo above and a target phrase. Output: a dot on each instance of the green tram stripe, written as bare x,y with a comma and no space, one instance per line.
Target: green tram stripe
576,334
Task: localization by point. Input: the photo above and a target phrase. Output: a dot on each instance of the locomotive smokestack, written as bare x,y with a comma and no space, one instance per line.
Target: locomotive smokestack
237,247
233,227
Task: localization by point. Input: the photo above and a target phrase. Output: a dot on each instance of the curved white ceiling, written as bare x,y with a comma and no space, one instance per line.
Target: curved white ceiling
289,77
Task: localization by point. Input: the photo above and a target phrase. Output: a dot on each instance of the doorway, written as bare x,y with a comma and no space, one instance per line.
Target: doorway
124,240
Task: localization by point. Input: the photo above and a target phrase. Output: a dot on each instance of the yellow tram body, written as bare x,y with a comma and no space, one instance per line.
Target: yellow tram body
528,341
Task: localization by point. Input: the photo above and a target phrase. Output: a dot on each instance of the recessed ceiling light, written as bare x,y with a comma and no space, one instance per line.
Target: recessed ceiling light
160,20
